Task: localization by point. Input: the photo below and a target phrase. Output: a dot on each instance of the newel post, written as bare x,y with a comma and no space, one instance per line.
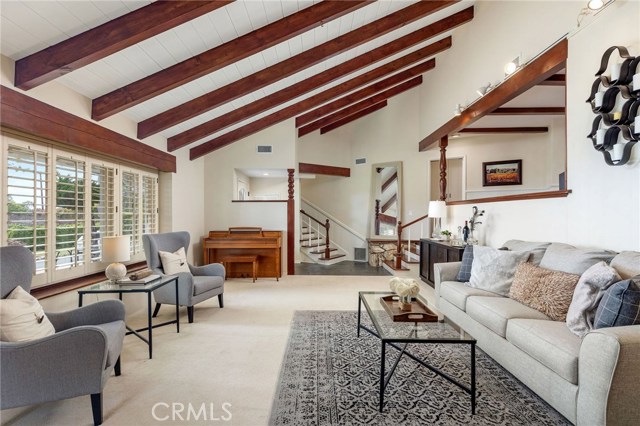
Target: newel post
398,254
327,251
444,142
291,270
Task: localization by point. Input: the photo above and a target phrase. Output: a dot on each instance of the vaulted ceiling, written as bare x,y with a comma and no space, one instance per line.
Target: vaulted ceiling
204,74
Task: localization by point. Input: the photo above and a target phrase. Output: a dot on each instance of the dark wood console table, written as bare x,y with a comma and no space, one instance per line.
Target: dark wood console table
433,251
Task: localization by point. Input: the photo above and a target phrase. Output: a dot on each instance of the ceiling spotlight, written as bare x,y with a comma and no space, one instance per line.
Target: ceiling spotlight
265,174
484,89
458,110
512,66
595,4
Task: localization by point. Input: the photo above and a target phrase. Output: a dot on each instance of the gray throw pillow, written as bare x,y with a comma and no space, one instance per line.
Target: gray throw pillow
620,305
587,295
464,275
493,270
627,263
537,249
567,258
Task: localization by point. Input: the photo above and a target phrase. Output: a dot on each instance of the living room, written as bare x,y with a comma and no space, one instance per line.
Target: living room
239,362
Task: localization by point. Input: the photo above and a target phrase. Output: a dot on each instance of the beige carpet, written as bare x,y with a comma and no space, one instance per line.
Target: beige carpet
231,355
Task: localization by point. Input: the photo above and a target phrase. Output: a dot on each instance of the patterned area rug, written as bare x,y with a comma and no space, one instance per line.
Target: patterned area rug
330,377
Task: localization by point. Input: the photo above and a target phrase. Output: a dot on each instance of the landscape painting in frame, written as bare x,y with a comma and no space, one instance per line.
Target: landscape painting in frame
502,173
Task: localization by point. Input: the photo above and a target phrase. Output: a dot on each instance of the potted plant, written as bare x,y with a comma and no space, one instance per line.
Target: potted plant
446,234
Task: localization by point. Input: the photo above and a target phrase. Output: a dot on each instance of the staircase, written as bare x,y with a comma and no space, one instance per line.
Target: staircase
315,244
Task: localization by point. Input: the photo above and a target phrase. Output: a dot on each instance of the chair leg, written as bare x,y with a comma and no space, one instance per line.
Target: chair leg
190,313
96,408
220,300
157,309
116,368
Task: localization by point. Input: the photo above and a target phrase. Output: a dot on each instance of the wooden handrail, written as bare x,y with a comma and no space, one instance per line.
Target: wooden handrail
415,221
398,254
326,226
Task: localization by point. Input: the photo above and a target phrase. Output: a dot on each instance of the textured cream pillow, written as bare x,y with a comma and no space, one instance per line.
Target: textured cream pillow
175,262
22,318
544,290
493,270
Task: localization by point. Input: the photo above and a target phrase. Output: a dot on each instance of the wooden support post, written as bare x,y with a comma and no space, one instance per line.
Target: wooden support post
377,216
398,255
327,250
444,142
290,226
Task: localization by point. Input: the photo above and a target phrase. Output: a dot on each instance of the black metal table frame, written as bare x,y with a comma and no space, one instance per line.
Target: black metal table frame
385,377
142,289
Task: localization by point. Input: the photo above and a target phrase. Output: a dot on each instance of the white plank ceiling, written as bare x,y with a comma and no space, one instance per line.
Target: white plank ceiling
27,27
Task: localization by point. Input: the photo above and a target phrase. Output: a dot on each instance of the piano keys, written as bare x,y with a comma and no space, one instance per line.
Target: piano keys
245,241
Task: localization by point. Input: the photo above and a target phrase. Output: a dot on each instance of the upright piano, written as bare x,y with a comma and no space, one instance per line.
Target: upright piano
245,241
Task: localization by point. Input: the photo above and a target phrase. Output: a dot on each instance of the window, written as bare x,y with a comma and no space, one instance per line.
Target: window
60,204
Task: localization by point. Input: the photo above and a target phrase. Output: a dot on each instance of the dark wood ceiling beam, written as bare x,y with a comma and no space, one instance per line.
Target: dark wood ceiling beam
389,181
497,130
31,116
221,56
106,39
358,106
286,68
540,69
555,80
322,97
320,169
529,111
319,80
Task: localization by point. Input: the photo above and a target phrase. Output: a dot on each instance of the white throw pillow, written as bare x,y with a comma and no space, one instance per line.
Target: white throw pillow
493,270
587,295
175,262
22,318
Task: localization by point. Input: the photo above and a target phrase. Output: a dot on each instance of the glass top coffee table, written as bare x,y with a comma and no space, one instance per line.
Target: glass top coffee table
399,335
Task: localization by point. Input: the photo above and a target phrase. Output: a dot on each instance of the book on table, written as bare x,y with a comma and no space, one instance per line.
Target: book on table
141,281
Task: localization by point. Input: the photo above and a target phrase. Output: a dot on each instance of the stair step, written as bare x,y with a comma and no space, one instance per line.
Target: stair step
313,240
321,251
313,244
407,259
334,256
391,264
308,233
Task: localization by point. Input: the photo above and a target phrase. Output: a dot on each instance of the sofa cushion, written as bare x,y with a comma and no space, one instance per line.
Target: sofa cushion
548,342
620,305
627,264
457,293
567,258
495,312
464,274
544,290
204,283
493,270
587,295
537,249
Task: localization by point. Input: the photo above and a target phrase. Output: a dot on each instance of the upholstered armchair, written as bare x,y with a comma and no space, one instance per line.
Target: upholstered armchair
202,283
76,360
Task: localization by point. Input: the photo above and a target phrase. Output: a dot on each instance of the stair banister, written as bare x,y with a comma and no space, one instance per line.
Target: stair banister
326,225
398,254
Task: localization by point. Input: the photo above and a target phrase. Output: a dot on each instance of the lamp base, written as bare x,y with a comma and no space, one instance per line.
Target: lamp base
115,272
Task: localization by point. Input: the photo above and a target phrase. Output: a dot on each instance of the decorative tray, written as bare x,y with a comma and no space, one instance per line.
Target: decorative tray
419,311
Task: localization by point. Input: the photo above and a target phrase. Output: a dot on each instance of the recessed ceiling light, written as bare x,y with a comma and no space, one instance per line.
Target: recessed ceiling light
265,174
595,4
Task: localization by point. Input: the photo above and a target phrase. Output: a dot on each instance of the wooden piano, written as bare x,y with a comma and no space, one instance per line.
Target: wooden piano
245,241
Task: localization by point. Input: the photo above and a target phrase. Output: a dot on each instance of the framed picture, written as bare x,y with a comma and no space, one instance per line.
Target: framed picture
502,173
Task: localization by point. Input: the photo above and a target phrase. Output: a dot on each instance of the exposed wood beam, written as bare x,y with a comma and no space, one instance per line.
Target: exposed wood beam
389,203
529,111
221,56
389,181
352,109
30,116
320,169
541,68
496,130
555,80
322,97
354,117
319,80
106,39
288,67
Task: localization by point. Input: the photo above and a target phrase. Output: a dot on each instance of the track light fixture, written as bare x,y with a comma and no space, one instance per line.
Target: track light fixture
512,66
458,110
484,89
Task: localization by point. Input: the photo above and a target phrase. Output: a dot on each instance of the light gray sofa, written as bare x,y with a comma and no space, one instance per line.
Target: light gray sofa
591,381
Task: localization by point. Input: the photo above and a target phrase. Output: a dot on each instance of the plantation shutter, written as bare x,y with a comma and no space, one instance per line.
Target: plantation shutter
149,205
70,213
103,207
130,211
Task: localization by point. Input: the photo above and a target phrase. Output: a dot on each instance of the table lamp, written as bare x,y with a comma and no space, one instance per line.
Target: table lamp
115,250
437,210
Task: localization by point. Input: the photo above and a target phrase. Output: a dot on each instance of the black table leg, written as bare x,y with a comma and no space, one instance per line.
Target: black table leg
80,300
150,325
473,378
177,308
359,312
382,365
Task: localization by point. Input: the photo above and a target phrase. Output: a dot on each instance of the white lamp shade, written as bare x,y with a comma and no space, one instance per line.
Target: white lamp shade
437,209
115,249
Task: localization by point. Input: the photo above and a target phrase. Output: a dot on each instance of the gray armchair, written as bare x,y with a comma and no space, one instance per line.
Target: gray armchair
201,284
76,360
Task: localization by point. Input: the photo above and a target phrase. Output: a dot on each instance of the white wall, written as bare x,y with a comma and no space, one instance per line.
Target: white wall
261,187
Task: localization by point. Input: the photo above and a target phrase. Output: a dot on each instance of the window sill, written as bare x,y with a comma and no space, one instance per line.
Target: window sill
51,290
517,197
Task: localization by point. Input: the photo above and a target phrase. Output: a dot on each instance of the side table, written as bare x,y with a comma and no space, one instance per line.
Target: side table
107,287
